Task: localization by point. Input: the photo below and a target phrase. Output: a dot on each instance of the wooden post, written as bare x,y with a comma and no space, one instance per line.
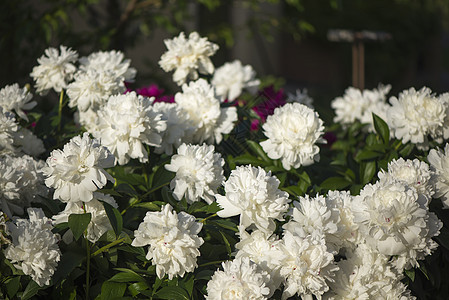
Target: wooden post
358,40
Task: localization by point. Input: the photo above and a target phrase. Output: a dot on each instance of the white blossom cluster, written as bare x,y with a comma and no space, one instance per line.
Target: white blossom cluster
173,241
378,234
253,194
34,248
187,57
414,116
127,123
21,183
293,131
55,70
14,98
230,79
333,246
199,172
360,104
100,75
77,171
15,139
210,121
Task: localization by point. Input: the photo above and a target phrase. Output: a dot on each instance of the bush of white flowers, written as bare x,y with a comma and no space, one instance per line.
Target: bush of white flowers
227,189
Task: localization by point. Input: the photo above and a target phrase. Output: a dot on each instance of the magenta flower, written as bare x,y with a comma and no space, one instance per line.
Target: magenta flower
153,90
270,100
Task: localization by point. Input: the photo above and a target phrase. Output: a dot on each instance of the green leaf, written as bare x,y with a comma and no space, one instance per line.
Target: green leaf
225,223
31,290
127,189
294,190
126,277
114,217
195,207
257,149
172,293
204,275
335,183
148,206
248,159
69,261
187,282
410,274
367,155
381,128
406,150
227,244
162,177
423,269
211,208
78,223
367,170
111,290
137,288
12,286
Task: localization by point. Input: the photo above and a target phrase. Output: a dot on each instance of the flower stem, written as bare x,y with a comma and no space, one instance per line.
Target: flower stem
205,219
61,97
105,248
87,269
212,263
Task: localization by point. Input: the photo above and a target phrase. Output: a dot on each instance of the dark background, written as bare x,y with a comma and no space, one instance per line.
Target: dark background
284,39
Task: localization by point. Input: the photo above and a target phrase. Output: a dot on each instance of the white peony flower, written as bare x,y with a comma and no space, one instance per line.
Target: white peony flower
55,69
173,241
109,62
31,178
301,97
91,89
265,251
210,121
253,194
12,97
28,143
188,57
178,127
359,105
415,116
34,248
311,216
78,170
439,164
393,221
88,119
99,223
8,130
347,235
199,172
241,279
9,188
366,274
307,267
127,123
230,79
21,182
414,173
293,131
